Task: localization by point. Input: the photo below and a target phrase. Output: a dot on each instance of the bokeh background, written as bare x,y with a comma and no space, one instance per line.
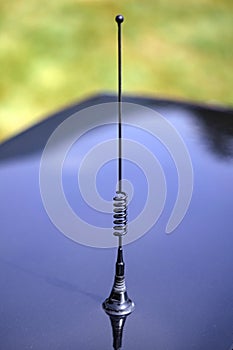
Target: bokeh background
57,52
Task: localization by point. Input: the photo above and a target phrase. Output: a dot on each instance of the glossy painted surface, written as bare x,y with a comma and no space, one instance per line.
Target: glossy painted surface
52,288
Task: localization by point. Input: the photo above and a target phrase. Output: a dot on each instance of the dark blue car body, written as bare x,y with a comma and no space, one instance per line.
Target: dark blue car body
52,288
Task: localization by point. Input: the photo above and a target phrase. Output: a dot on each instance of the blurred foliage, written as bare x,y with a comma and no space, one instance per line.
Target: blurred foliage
53,53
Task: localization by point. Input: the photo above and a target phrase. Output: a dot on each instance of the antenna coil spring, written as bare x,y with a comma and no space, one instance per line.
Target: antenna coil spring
120,214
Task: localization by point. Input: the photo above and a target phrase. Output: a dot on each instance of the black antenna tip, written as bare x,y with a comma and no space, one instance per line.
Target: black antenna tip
119,19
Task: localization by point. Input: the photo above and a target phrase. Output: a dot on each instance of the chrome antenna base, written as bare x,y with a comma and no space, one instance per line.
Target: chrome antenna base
118,303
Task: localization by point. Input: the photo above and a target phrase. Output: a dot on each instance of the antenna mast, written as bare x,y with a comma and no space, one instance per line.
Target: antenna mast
119,20
118,303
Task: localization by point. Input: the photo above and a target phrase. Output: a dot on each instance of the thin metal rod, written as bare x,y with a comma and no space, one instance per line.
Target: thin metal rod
118,304
119,20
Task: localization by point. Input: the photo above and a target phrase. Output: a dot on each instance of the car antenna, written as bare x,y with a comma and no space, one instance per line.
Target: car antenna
118,305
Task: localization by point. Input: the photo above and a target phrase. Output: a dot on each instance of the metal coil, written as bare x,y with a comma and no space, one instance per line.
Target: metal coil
120,214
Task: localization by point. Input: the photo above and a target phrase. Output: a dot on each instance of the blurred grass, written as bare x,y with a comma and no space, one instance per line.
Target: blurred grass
53,53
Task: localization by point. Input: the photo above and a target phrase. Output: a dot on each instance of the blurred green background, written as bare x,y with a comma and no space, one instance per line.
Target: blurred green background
53,53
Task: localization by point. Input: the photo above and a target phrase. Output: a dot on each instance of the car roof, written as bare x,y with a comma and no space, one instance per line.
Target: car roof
52,287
